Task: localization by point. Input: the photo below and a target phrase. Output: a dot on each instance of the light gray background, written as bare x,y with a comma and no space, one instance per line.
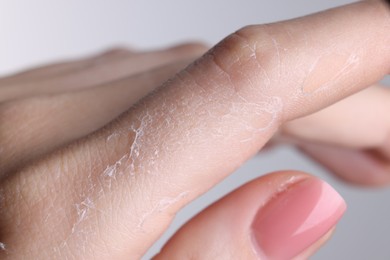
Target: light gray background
35,32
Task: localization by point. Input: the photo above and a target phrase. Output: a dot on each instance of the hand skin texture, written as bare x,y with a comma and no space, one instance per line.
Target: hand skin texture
98,155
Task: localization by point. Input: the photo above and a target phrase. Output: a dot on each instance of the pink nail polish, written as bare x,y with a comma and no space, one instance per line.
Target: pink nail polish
296,218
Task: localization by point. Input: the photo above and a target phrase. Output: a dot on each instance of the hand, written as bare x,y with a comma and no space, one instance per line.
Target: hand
67,193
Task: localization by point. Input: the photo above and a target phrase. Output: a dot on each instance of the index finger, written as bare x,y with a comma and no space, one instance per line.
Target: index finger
204,123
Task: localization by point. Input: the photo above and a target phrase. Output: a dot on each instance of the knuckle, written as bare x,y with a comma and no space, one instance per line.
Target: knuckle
116,52
245,53
241,71
191,48
248,41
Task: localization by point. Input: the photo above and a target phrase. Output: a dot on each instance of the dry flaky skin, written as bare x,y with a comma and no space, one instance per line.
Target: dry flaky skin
123,184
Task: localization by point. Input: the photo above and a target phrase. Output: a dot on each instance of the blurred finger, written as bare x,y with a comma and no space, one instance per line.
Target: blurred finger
360,167
108,67
61,67
350,138
360,121
57,120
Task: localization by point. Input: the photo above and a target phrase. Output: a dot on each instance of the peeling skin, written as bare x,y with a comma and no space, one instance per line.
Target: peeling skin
82,210
112,170
135,148
234,76
127,165
277,48
273,108
82,233
2,246
269,107
293,179
112,136
207,113
162,206
314,82
165,129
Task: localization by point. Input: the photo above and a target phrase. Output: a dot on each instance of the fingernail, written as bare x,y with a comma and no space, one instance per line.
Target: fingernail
296,218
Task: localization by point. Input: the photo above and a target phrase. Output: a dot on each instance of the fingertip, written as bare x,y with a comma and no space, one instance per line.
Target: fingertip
296,218
281,215
306,254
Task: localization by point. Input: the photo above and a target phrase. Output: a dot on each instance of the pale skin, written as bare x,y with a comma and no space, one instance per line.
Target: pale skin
95,166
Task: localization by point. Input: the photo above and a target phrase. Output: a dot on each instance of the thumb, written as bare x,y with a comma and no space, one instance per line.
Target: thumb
284,215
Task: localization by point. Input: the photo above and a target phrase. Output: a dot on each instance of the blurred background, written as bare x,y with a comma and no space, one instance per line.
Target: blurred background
41,31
